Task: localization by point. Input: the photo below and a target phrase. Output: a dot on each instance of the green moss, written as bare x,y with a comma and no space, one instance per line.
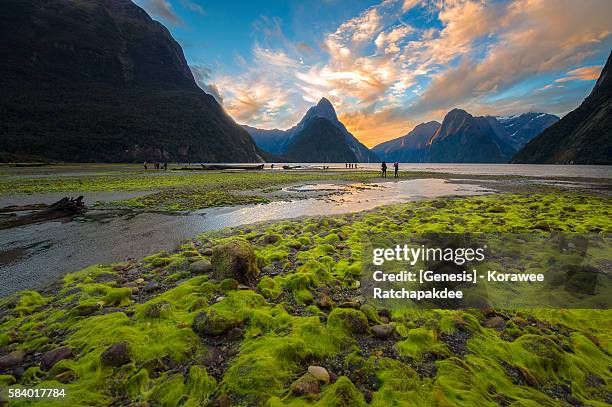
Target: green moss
420,340
348,320
200,387
539,352
269,287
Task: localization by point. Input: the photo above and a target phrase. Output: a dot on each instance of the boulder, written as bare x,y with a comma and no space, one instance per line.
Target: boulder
117,354
53,356
12,359
348,319
235,259
214,322
202,266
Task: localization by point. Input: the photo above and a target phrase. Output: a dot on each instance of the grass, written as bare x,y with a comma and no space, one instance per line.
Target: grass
546,357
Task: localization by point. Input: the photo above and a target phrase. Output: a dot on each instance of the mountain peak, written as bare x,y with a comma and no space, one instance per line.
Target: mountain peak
456,112
323,109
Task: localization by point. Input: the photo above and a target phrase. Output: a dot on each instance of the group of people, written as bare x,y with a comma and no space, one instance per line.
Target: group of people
383,169
156,165
350,165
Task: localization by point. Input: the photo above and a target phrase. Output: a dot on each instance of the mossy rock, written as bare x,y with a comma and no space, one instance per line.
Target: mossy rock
371,313
349,320
117,354
215,322
235,259
202,266
159,309
342,393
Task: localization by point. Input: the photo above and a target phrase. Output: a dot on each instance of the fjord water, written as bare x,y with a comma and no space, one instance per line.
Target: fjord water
35,255
525,170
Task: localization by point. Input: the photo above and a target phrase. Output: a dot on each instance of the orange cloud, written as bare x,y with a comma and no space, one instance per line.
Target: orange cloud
374,128
586,73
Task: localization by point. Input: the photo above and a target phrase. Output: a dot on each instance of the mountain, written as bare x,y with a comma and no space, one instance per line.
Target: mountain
463,138
99,80
521,129
319,140
583,136
281,142
268,140
410,148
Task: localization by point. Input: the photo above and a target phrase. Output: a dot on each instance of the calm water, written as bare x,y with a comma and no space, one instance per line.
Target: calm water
528,170
35,255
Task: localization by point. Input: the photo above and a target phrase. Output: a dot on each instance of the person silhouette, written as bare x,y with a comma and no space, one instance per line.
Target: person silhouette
383,169
395,170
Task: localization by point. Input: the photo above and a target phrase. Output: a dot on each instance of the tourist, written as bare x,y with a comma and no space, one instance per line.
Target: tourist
395,170
145,165
383,169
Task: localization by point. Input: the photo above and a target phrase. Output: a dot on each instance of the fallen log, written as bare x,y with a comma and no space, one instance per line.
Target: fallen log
64,208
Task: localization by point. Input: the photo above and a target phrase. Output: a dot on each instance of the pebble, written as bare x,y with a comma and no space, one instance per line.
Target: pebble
319,373
307,384
383,331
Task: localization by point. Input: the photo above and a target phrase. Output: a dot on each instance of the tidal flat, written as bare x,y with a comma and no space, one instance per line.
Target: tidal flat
292,326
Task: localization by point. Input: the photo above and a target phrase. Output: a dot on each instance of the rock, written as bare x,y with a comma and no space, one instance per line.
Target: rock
495,322
305,385
267,269
350,304
201,266
222,401
383,331
319,373
324,301
12,359
53,356
235,259
348,319
235,334
371,313
207,252
139,280
213,322
116,355
212,356
86,309
157,309
272,238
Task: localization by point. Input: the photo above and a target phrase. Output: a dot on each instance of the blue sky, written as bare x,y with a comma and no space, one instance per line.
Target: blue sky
389,65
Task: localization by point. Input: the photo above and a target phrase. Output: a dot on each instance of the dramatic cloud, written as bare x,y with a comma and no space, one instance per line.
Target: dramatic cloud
586,73
385,72
532,37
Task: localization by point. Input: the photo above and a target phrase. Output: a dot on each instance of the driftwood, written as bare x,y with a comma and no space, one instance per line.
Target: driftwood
64,208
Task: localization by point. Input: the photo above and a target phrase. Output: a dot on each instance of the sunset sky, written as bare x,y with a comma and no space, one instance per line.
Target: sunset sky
387,66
